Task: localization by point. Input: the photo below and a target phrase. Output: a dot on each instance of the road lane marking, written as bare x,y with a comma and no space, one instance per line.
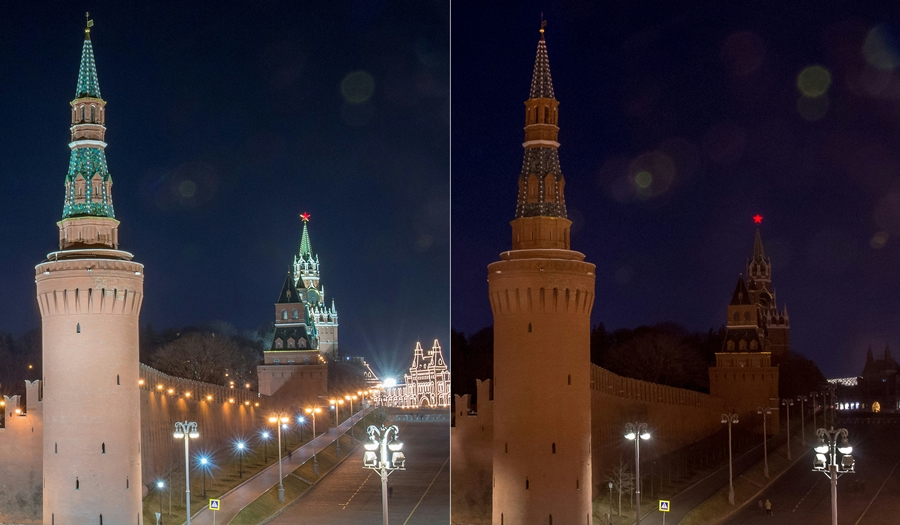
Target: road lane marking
807,494
426,490
877,493
344,505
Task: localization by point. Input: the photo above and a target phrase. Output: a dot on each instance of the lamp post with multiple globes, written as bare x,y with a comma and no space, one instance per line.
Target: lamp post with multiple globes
788,403
765,411
279,420
636,432
827,449
384,440
731,418
313,411
186,430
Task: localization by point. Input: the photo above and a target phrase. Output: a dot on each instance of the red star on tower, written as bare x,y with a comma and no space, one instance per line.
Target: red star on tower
305,217
757,218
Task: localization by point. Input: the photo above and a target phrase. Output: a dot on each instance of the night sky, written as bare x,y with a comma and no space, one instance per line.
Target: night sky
707,99
224,124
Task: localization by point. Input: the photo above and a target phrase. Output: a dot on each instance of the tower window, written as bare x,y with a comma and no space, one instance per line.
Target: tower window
284,314
570,379
551,520
103,448
529,328
127,484
118,382
295,314
55,448
78,328
506,447
77,484
553,448
101,519
526,483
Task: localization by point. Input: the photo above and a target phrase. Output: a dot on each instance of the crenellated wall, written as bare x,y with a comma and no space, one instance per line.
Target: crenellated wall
21,439
221,414
676,417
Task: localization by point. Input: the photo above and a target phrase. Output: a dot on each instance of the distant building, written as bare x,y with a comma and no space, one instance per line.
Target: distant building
312,291
426,385
745,375
878,387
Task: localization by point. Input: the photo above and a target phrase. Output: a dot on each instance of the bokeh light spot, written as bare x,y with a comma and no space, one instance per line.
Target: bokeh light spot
187,189
643,179
357,87
812,108
813,81
880,48
879,240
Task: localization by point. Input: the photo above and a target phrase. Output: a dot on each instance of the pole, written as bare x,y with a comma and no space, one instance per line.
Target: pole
609,515
730,484
833,476
187,477
315,458
788,405
765,447
280,474
637,473
384,498
802,423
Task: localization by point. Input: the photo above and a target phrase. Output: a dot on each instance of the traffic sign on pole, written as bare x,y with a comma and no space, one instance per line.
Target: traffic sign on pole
214,504
663,505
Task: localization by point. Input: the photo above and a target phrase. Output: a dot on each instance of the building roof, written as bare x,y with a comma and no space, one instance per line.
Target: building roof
758,252
289,292
741,296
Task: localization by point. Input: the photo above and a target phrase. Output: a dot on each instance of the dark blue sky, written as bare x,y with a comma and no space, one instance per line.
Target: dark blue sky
706,98
246,103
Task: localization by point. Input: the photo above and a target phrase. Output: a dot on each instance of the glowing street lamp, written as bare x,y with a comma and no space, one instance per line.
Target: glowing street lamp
300,421
264,435
187,430
240,447
313,411
827,449
633,431
765,411
731,418
204,466
160,484
384,440
279,419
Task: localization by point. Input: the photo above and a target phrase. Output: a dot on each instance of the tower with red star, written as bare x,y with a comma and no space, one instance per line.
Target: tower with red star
308,283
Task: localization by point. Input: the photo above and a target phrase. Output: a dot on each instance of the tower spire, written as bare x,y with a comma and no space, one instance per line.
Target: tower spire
541,182
88,193
758,252
305,249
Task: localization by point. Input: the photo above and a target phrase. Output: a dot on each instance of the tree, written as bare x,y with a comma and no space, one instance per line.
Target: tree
659,355
207,358
622,480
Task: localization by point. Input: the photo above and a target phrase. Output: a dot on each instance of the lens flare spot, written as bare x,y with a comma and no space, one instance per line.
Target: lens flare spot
187,189
879,240
880,48
812,108
357,87
813,81
643,179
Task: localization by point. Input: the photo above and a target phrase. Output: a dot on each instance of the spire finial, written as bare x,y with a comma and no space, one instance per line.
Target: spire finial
304,217
543,25
88,24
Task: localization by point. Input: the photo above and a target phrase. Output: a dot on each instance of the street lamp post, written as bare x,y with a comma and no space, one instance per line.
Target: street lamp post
313,411
350,398
609,514
802,400
731,418
187,430
814,395
159,486
300,421
279,420
204,464
827,449
384,439
241,446
788,403
265,437
636,432
765,411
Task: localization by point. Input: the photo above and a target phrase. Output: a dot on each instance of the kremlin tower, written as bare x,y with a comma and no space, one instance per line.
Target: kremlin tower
541,295
306,279
90,293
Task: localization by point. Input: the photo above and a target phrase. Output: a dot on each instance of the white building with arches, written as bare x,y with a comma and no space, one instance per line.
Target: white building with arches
427,385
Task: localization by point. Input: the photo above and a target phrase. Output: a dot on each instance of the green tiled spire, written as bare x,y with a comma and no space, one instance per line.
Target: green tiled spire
88,86
88,162
305,249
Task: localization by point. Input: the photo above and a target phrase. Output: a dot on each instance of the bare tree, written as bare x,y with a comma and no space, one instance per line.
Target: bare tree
622,480
207,358
659,357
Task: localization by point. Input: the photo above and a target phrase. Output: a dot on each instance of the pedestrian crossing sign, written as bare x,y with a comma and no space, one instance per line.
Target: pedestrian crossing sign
213,504
663,505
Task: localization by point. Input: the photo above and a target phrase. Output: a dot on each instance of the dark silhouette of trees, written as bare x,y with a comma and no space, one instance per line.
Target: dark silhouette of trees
473,358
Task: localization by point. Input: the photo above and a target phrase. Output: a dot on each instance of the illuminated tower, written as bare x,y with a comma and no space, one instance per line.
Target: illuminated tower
306,279
90,293
541,296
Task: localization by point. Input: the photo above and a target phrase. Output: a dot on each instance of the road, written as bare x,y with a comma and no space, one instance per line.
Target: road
869,497
351,494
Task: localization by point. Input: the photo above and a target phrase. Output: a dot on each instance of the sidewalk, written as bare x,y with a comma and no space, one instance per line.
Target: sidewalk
244,494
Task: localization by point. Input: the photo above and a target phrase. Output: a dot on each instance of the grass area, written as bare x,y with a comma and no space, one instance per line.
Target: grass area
267,504
228,472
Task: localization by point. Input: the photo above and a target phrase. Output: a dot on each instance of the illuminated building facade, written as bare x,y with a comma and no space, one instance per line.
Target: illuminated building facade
307,281
90,294
541,294
426,385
